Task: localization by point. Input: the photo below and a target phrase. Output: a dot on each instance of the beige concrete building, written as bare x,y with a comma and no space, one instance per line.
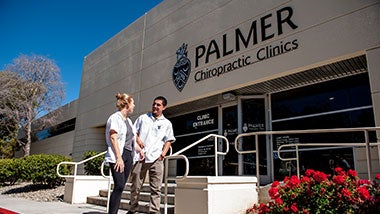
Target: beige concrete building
238,66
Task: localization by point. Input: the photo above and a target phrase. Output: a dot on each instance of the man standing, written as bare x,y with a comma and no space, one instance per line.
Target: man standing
155,135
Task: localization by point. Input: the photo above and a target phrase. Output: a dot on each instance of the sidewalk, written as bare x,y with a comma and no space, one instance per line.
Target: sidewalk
25,206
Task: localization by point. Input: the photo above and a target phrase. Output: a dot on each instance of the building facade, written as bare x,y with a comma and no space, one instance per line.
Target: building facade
59,137
237,66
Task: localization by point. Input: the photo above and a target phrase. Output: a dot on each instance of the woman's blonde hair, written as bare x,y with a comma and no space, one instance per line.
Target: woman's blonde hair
123,100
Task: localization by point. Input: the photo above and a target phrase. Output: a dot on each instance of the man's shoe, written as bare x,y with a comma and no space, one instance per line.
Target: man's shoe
130,212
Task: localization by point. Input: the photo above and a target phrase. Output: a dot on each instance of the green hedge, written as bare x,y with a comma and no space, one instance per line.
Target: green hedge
10,170
39,169
93,166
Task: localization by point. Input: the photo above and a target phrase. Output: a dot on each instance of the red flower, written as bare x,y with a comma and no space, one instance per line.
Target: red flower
352,173
378,176
294,208
320,176
343,193
339,171
294,181
339,179
264,208
346,192
286,179
305,179
273,193
363,192
278,201
364,182
309,172
275,184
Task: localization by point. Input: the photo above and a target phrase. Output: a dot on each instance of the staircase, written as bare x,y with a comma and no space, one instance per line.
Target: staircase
101,199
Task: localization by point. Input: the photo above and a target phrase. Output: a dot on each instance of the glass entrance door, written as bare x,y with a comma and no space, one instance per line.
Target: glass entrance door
253,117
230,164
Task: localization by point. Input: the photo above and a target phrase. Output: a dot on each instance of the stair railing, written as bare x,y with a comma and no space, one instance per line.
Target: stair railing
179,155
166,172
365,144
255,151
296,146
109,177
75,165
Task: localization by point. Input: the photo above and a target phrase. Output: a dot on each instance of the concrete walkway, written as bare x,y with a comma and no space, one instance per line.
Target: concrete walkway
25,206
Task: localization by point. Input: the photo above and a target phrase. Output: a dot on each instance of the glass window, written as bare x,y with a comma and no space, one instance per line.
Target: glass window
341,103
190,128
61,128
201,157
195,122
345,93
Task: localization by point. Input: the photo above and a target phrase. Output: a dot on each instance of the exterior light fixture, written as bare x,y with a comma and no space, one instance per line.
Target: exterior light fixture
228,96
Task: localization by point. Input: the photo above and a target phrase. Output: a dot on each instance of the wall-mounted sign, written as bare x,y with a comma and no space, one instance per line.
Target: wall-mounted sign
182,68
264,28
283,140
199,121
261,29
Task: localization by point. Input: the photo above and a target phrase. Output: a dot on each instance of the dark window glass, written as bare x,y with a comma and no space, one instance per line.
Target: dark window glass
201,157
253,111
193,127
342,103
230,131
349,92
196,122
205,148
61,128
350,119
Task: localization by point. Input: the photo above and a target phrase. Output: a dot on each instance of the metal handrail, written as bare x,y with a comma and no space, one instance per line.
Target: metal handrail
297,145
216,152
75,165
256,151
367,144
178,155
76,168
109,177
175,178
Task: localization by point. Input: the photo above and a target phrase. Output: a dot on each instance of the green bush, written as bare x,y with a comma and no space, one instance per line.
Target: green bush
10,171
93,166
40,169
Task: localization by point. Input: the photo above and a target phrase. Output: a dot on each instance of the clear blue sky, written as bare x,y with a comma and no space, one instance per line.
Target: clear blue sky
64,30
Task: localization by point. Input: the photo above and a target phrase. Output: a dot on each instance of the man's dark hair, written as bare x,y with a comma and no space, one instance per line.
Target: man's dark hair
163,99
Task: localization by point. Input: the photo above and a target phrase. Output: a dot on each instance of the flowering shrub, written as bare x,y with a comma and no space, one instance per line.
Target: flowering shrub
317,192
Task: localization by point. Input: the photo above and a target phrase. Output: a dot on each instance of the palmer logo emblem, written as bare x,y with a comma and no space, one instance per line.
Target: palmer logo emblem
182,68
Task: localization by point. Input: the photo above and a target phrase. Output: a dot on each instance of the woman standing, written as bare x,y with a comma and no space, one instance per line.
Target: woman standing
120,137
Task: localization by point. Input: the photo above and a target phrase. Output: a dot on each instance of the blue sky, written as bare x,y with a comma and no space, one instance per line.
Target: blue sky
64,30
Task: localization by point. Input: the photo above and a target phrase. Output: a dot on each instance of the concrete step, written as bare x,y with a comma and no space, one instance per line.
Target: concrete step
146,188
124,204
144,198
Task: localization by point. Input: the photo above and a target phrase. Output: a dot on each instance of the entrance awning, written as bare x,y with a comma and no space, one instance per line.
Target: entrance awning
324,73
